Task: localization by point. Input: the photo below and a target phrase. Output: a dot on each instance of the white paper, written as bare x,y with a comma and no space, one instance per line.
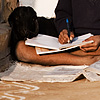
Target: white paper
50,42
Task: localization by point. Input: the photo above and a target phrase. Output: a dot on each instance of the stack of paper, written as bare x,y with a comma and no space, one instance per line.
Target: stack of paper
48,44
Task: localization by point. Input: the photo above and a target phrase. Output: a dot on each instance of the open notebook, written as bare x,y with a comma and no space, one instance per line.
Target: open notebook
48,44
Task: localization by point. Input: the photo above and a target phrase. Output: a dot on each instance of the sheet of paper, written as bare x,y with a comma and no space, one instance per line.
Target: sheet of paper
52,42
40,50
44,41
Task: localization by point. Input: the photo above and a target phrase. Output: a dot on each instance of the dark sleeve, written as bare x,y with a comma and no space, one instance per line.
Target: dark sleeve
63,11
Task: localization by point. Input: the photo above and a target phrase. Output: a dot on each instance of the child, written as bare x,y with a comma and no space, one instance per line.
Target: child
84,17
79,24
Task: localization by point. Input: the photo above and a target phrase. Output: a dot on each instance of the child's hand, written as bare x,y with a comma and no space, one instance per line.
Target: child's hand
91,46
63,37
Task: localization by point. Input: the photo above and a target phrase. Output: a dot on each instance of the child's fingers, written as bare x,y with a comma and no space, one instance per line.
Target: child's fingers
63,37
71,36
90,49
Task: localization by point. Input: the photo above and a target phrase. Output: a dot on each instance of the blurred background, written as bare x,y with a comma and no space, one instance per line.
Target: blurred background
42,7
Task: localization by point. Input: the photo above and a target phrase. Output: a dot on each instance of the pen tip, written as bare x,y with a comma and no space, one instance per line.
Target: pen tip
68,41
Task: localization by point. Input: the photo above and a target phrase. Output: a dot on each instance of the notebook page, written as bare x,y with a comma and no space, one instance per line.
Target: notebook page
76,41
50,42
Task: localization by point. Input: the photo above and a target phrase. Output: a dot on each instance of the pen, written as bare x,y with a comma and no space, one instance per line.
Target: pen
68,28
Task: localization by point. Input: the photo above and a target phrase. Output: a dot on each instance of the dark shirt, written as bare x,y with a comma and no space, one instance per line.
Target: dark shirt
84,16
